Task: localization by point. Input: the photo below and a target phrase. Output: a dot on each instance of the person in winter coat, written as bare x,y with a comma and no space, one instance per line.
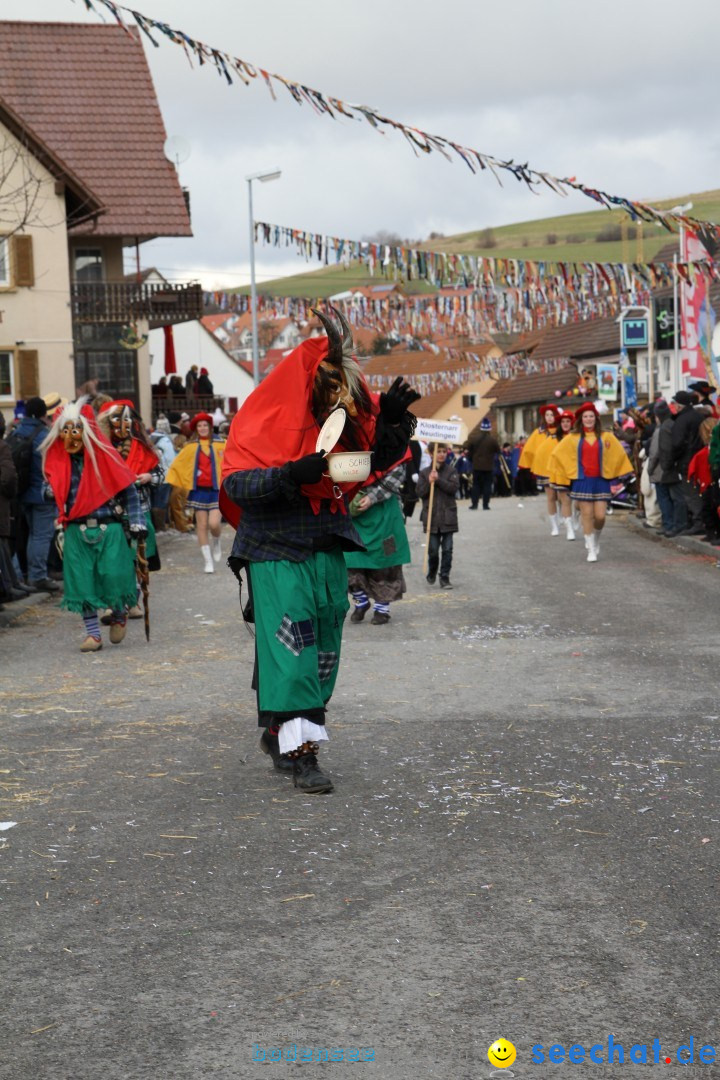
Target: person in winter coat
686,442
8,487
664,474
39,513
700,474
203,387
444,520
482,447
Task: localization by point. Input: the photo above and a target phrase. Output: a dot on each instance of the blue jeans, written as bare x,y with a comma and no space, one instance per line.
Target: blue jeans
160,496
673,507
436,542
40,519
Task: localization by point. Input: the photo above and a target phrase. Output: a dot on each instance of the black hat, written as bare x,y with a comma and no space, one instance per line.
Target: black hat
701,387
683,398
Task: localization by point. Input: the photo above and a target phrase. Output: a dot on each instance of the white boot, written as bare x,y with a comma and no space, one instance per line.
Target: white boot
209,567
592,548
554,530
575,517
569,531
216,548
596,536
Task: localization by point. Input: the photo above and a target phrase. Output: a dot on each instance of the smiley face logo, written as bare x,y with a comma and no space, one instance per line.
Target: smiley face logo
501,1054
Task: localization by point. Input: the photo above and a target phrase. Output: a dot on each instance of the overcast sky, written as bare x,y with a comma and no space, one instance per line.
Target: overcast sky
621,95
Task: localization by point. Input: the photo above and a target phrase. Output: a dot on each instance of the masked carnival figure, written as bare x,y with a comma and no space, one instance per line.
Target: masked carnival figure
122,426
293,528
197,469
99,513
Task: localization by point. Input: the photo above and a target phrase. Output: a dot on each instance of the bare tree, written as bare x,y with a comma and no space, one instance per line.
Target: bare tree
20,187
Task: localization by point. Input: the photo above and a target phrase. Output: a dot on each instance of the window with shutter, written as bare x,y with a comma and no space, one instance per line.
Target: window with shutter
23,269
28,378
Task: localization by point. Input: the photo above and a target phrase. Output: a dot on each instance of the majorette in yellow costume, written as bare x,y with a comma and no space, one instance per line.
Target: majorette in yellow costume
198,470
536,457
587,462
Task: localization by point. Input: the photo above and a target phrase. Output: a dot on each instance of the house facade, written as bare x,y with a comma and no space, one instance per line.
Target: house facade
93,182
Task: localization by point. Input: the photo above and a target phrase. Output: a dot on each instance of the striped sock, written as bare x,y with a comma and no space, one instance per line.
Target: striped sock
118,618
360,597
382,609
92,625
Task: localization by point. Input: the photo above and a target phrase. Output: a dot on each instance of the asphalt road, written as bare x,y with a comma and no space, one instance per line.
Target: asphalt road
522,842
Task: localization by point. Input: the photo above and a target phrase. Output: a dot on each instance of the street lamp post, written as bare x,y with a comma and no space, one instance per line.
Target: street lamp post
263,177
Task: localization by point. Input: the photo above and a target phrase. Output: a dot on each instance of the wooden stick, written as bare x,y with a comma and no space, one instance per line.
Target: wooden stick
430,508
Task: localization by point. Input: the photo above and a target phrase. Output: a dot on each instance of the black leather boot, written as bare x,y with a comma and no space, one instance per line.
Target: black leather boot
269,744
308,776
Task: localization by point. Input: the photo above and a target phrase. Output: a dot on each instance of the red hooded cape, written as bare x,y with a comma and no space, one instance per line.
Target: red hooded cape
94,490
141,459
276,425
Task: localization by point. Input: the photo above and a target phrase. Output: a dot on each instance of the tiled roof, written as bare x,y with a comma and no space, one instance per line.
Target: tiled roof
81,201
534,389
213,322
87,93
414,363
430,405
581,340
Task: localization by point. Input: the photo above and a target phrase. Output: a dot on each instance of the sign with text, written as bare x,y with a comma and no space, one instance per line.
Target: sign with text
438,431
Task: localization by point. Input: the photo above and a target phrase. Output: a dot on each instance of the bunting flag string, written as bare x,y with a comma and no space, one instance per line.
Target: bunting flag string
421,142
474,313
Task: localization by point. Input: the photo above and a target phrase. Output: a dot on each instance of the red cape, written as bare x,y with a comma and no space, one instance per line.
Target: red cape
94,490
276,425
141,459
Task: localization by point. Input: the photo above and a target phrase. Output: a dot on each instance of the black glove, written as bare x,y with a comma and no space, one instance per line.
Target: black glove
394,404
308,469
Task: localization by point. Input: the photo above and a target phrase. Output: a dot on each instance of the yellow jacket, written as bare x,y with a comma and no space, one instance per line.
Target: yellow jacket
565,463
182,472
537,450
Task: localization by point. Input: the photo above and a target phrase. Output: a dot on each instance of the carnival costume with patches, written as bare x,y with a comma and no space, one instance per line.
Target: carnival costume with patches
197,469
377,572
98,508
293,527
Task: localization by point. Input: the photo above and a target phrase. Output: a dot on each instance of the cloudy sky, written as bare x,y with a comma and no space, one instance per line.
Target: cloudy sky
621,95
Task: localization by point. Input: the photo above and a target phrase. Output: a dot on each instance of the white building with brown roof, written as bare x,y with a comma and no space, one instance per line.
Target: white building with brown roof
81,142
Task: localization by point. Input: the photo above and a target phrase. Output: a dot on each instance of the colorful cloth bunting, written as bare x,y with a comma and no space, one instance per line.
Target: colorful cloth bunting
420,141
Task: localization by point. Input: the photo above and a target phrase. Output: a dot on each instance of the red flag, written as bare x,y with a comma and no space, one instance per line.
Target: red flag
170,365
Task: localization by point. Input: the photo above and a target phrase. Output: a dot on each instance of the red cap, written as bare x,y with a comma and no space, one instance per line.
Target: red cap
201,416
587,407
121,404
550,408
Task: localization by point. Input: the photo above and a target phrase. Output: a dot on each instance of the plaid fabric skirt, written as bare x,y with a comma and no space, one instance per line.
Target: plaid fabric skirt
203,499
591,489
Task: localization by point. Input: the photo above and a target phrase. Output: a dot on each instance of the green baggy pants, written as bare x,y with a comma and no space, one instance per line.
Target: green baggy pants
299,610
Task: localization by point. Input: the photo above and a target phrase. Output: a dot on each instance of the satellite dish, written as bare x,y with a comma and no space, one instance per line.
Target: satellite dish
177,149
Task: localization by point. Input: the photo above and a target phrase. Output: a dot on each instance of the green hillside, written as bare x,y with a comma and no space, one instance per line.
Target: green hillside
593,236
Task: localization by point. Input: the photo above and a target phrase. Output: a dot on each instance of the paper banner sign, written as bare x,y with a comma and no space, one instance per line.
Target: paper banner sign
438,431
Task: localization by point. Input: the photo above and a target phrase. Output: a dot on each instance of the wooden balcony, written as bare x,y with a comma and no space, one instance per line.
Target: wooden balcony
125,302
